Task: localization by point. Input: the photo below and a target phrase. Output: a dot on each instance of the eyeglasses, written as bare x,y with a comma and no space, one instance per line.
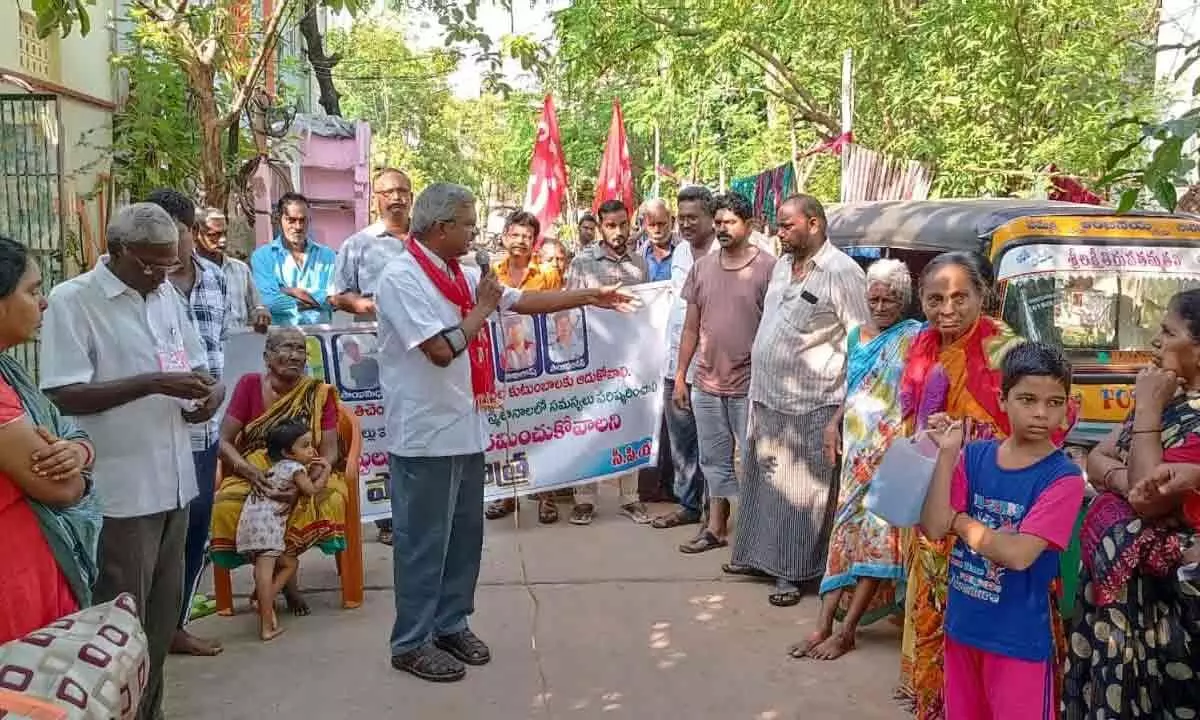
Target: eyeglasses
398,192
152,269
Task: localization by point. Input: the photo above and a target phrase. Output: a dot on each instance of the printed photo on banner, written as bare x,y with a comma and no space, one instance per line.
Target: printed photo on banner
566,340
517,348
357,369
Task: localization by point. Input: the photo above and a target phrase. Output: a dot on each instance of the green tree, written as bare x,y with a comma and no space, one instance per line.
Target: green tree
988,90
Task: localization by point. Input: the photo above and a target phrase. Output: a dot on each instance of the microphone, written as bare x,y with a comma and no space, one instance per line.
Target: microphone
484,261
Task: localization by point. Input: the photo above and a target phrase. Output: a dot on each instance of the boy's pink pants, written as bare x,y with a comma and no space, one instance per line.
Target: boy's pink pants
982,685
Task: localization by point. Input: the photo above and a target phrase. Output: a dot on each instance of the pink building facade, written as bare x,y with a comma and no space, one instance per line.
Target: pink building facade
332,170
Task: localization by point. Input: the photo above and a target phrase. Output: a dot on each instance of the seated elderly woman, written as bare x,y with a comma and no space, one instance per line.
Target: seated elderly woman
1133,641
260,402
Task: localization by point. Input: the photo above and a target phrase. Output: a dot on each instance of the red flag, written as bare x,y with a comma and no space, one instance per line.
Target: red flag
547,188
616,173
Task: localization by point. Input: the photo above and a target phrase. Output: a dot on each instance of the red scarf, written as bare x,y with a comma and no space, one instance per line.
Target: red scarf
479,348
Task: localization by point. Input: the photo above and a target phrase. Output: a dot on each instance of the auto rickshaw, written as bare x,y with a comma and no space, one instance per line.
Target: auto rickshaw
1081,277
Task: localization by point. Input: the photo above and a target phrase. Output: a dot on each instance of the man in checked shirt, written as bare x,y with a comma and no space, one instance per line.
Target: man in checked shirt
609,261
366,253
202,287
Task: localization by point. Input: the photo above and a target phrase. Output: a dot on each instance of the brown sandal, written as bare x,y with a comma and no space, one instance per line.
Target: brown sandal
675,519
547,511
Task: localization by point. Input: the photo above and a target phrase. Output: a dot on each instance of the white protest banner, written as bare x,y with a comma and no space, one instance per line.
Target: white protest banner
583,394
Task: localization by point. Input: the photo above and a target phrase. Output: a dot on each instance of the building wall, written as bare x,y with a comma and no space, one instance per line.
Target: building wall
76,70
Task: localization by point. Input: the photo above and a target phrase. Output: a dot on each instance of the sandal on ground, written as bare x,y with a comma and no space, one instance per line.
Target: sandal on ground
703,542
430,663
385,536
582,514
497,509
744,571
675,519
547,511
787,598
465,646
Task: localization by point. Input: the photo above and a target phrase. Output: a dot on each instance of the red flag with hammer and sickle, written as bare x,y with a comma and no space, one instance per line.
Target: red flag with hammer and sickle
547,188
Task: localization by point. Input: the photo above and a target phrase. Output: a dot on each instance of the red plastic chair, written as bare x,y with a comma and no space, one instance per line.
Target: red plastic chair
350,560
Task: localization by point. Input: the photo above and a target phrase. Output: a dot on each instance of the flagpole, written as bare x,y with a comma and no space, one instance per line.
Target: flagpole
847,113
656,191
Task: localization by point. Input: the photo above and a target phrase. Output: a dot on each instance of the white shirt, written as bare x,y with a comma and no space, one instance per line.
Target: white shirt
681,264
98,329
429,411
798,363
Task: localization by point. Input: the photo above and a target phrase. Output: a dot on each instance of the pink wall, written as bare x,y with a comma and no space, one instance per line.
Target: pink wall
334,175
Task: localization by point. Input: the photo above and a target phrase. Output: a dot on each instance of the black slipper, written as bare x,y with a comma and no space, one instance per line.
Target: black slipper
745,571
785,599
703,542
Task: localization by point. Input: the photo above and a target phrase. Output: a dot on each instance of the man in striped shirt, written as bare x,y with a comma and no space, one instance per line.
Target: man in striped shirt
797,381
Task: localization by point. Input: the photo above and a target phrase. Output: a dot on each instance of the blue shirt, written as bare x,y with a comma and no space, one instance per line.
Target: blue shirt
274,269
657,270
989,607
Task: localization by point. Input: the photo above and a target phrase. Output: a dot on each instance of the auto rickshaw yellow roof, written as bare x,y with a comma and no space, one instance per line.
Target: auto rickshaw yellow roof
944,225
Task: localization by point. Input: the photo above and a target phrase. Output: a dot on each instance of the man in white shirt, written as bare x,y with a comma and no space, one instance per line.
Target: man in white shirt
438,376
696,207
121,355
366,253
245,305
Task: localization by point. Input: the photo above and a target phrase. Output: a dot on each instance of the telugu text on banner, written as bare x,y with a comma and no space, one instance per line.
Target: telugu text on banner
582,395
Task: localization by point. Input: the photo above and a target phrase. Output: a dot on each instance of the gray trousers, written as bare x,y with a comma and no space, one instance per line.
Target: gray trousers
721,432
437,520
143,556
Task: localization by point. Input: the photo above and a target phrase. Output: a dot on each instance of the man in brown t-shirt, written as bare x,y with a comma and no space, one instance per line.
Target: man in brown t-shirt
725,292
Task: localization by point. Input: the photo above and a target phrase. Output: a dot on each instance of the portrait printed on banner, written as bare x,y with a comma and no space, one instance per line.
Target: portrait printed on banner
566,340
357,368
517,348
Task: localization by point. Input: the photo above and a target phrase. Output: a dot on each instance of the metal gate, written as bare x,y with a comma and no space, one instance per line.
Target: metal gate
31,188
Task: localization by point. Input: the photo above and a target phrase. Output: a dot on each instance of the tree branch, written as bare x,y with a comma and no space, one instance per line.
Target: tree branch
804,101
270,36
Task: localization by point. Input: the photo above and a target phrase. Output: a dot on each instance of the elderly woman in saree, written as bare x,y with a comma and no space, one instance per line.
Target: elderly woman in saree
50,518
864,573
260,402
1134,650
952,367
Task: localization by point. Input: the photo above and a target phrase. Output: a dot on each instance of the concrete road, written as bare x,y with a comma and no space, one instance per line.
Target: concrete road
607,621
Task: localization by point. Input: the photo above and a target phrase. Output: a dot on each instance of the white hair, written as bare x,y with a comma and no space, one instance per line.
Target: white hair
142,224
209,213
439,202
893,274
655,204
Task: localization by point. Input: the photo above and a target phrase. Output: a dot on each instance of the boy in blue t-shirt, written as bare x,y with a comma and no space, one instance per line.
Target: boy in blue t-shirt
1012,505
